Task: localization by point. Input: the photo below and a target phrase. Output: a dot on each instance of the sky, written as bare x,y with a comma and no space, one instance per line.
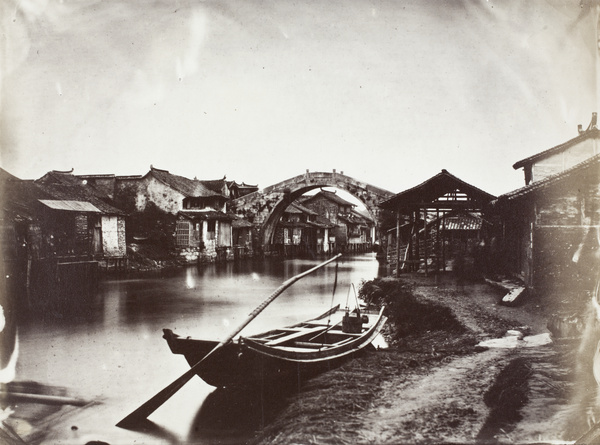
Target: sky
389,92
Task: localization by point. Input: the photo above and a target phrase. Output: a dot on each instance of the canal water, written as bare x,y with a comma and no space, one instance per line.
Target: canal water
111,351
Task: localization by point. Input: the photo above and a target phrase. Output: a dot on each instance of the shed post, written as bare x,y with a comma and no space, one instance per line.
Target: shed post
425,240
444,241
415,230
398,243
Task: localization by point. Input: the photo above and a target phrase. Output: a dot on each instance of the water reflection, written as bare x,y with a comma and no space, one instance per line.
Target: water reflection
232,414
111,347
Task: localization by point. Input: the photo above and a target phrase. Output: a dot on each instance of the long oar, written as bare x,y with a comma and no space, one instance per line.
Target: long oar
165,394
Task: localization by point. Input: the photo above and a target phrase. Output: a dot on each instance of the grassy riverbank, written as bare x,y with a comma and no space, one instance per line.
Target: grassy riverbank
434,384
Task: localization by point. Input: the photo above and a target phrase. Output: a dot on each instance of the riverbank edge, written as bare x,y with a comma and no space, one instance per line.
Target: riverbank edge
143,262
330,408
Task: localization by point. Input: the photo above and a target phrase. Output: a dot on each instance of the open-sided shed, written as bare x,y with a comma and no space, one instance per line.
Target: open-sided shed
421,220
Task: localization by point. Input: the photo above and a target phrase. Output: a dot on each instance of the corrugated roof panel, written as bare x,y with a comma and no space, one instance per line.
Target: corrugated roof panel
71,206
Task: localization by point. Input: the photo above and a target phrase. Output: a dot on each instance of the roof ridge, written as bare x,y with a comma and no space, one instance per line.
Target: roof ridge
555,177
592,130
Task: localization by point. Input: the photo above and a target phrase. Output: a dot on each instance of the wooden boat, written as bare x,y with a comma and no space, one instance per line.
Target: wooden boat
280,355
283,355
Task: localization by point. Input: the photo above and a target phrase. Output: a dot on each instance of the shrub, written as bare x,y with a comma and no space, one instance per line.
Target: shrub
408,314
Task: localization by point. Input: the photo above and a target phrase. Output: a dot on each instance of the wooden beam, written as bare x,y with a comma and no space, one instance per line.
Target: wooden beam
397,244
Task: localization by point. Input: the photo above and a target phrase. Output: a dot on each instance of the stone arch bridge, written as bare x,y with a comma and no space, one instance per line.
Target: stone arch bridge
264,207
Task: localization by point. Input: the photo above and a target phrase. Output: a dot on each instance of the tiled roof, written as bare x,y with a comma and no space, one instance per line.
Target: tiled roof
293,209
592,162
242,185
129,177
20,198
591,132
66,187
188,187
436,187
6,176
352,219
296,207
216,185
99,176
334,197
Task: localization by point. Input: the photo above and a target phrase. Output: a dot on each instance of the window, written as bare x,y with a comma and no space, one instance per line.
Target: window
182,233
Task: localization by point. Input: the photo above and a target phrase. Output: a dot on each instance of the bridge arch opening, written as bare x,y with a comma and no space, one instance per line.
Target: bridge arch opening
265,207
289,197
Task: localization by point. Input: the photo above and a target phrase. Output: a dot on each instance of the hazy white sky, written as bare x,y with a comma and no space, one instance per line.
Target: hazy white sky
390,92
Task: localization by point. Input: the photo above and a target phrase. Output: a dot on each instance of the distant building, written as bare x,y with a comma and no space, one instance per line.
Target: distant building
243,232
78,220
202,228
56,232
328,204
351,228
231,189
358,231
301,231
167,191
238,190
204,234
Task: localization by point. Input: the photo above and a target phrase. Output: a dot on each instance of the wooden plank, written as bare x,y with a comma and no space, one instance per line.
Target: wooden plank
306,344
513,295
293,335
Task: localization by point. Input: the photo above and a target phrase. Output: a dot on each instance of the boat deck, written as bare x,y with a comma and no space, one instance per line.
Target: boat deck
313,334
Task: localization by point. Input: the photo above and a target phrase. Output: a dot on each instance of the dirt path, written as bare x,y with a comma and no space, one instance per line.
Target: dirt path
444,406
438,387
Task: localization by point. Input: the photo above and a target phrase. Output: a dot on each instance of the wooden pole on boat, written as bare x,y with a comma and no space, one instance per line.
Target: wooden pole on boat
166,393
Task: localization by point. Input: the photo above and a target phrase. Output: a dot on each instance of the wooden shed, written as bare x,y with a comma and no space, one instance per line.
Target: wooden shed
423,213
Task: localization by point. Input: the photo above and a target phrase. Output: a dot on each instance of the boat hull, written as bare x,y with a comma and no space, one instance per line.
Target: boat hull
237,366
251,362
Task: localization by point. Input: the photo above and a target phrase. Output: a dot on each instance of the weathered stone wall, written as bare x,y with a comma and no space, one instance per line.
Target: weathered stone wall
127,192
113,236
121,233
257,206
165,198
193,255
